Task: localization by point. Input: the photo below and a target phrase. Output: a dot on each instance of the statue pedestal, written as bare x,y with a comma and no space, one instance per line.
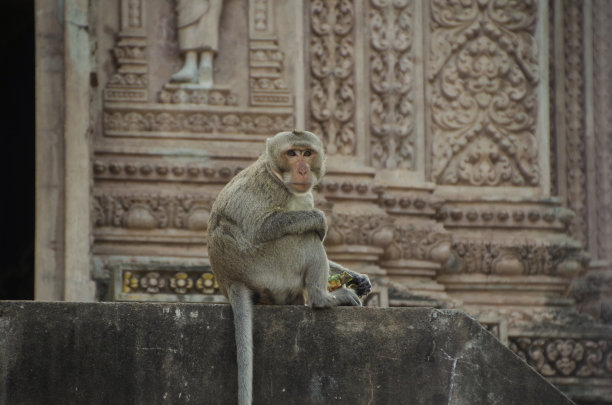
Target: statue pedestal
194,93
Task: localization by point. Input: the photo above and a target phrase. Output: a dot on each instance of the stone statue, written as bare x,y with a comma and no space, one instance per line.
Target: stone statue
198,32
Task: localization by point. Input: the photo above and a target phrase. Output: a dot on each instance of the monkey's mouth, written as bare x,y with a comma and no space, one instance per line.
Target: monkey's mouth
299,186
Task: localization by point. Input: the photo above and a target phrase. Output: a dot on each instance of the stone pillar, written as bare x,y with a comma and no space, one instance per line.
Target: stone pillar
49,243
583,134
63,257
78,284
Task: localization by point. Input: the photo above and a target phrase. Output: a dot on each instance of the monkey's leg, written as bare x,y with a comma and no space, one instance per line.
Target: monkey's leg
315,281
242,306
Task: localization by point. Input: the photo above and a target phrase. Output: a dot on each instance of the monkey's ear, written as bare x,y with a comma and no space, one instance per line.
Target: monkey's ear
269,152
323,169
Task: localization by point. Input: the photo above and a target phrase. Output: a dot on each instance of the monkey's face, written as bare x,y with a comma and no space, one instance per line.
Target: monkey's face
297,163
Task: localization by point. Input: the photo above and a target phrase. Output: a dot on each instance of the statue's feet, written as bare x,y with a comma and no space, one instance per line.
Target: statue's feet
188,74
205,75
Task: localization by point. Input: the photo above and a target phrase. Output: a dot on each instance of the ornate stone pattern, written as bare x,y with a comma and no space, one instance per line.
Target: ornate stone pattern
152,211
555,357
348,190
602,73
176,94
163,171
574,116
526,258
391,74
483,71
125,122
552,94
367,230
408,203
267,85
260,16
130,81
332,77
411,243
177,283
168,284
553,218
268,88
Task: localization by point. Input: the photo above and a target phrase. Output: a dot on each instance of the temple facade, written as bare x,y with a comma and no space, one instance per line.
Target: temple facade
469,150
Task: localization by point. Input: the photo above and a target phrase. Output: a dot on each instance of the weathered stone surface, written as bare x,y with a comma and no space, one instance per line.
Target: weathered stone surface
120,353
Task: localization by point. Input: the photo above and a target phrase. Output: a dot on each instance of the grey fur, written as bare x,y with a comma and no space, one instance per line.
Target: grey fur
265,246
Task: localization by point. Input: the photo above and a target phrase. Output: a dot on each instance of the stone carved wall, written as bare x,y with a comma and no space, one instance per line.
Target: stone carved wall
332,77
268,87
583,134
431,113
391,72
574,116
483,70
130,81
602,77
576,358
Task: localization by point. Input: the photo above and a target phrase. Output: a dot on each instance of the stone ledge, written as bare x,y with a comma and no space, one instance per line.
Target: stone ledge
132,353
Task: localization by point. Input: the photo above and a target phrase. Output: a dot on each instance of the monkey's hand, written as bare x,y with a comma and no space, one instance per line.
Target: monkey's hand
359,282
281,223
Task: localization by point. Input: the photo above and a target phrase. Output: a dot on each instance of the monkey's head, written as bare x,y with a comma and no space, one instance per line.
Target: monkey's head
297,158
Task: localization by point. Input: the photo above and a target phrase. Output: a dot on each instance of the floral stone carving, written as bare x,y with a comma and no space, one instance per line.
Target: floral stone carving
483,73
391,73
152,211
565,357
332,87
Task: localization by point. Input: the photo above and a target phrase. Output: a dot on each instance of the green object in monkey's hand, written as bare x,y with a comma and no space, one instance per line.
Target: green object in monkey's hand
340,280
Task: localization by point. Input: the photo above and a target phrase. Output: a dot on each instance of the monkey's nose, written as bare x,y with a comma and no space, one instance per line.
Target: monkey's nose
303,169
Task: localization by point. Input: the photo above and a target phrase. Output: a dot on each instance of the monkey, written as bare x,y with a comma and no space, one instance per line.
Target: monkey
265,241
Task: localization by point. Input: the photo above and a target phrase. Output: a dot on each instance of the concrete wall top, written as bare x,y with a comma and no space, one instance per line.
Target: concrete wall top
130,353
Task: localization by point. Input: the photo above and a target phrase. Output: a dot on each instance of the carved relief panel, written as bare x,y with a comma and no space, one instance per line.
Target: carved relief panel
392,80
485,87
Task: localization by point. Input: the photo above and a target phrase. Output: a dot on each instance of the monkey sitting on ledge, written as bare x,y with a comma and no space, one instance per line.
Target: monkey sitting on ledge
266,241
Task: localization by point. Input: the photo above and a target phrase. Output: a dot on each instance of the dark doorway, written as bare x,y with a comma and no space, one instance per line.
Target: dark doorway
18,158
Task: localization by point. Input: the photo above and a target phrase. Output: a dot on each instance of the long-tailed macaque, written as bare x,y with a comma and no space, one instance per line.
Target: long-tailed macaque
265,241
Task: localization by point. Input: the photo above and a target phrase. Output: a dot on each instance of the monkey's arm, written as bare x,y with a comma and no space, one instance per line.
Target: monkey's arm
281,223
361,280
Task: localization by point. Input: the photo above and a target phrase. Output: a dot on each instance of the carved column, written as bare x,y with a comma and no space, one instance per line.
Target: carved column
584,135
50,153
267,84
78,285
130,82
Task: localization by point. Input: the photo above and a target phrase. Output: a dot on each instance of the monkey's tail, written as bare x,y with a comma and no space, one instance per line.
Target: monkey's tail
242,305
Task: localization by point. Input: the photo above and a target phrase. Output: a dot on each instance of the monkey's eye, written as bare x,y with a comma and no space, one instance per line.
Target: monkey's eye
307,153
291,152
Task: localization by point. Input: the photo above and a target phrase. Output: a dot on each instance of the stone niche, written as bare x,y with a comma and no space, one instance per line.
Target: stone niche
468,153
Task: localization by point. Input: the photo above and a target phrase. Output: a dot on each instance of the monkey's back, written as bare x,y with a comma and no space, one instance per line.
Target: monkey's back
239,210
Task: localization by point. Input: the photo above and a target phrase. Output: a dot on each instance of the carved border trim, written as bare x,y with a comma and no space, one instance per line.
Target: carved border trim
129,83
152,121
